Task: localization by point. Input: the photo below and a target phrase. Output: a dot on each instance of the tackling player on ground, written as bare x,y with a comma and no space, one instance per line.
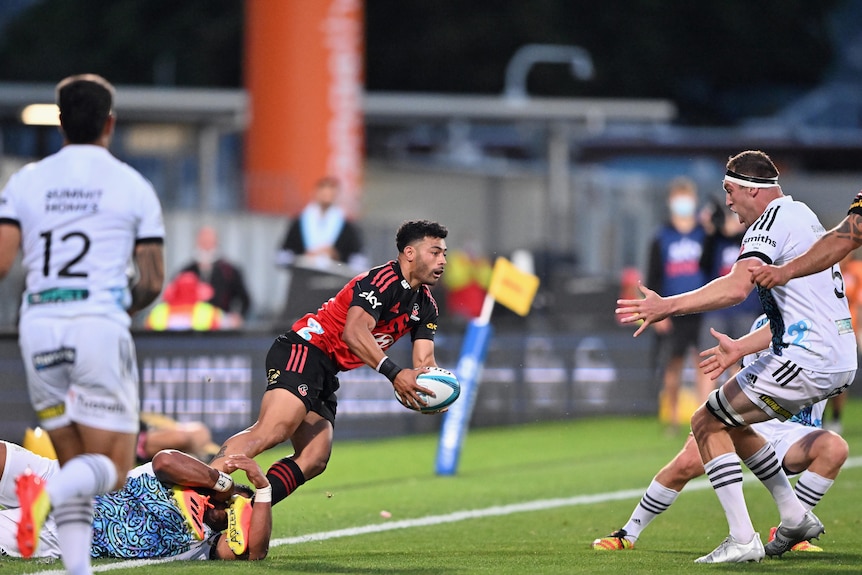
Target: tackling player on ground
175,506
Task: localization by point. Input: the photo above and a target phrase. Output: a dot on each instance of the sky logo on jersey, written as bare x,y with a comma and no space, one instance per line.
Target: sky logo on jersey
371,298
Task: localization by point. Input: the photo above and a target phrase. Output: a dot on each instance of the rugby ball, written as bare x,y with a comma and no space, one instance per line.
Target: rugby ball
442,383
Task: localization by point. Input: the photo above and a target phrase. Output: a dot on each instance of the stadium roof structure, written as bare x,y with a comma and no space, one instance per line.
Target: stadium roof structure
224,108
211,111
393,105
229,107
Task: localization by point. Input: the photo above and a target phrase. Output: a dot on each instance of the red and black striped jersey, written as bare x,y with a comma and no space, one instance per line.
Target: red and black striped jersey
385,294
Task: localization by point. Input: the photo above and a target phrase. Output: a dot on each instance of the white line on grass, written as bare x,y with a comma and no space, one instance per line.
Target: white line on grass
495,511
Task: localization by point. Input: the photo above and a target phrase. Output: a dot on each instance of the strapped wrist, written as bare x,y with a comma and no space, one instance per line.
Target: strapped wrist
223,483
388,368
263,495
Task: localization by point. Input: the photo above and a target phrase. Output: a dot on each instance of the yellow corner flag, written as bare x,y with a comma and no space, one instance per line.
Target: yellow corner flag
512,287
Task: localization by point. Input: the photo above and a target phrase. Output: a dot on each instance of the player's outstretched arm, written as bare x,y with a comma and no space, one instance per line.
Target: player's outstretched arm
650,309
726,291
423,353
178,468
827,251
730,351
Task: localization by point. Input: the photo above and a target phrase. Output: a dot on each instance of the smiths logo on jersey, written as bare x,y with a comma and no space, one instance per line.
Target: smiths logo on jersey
856,206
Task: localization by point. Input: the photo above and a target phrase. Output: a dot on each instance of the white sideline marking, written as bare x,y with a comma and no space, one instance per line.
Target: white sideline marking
495,511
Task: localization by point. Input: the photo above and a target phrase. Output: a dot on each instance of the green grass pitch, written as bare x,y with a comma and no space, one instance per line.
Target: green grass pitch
556,463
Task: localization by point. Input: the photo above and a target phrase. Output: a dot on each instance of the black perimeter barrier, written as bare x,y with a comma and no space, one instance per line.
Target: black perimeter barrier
218,378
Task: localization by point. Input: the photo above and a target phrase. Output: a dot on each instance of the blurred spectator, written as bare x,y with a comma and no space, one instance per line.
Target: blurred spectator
720,251
322,234
185,306
229,290
467,277
674,268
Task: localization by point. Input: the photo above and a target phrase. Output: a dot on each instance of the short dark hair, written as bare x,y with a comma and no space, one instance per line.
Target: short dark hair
415,230
244,490
753,163
85,103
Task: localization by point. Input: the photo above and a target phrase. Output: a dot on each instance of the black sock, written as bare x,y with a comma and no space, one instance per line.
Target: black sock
285,476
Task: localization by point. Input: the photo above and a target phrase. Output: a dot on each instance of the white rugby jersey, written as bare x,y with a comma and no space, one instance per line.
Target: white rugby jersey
809,317
80,211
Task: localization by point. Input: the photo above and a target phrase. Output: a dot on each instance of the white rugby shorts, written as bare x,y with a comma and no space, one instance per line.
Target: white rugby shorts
81,370
781,388
782,436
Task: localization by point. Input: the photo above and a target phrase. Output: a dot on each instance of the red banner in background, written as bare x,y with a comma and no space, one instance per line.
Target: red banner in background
304,76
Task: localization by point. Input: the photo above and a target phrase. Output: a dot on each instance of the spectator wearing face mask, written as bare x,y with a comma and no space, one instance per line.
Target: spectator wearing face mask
674,267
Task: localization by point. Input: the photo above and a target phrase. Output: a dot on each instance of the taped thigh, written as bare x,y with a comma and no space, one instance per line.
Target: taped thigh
718,405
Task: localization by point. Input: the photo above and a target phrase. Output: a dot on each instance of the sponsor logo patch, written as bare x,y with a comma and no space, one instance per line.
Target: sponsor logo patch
844,326
371,298
773,405
53,358
384,340
50,412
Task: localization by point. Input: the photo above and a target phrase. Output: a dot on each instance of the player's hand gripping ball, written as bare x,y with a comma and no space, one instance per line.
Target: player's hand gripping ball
442,383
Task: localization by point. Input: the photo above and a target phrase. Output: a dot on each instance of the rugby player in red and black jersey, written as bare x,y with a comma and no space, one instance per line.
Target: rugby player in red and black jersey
354,328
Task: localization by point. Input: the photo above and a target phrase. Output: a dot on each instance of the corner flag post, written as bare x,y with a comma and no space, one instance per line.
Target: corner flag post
514,289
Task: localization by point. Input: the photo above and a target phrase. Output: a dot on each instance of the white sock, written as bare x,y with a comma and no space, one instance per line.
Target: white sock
75,533
811,487
655,501
725,475
765,465
83,476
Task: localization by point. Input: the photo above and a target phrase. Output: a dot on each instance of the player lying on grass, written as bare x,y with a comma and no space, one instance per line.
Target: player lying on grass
174,506
800,444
